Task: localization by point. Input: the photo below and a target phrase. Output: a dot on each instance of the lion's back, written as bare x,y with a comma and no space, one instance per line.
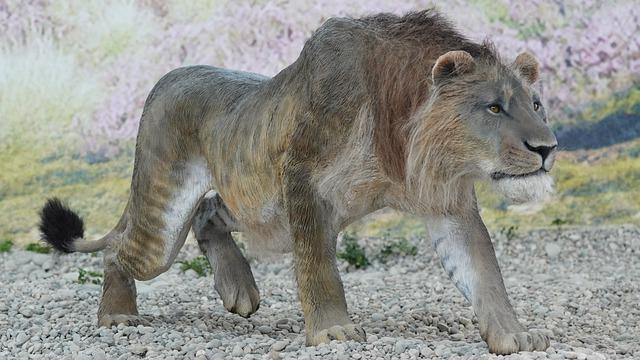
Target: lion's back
200,89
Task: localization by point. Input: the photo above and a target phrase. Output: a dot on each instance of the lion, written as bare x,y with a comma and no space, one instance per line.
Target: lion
382,111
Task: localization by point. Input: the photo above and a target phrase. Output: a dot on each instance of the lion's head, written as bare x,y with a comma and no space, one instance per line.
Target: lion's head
483,120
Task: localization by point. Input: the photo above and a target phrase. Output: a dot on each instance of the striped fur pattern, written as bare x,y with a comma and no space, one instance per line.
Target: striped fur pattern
378,111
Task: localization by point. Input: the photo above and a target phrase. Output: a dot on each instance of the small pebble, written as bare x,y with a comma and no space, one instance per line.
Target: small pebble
280,345
265,329
21,338
138,349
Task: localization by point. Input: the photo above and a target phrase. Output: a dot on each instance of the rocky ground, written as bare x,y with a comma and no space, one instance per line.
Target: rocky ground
580,284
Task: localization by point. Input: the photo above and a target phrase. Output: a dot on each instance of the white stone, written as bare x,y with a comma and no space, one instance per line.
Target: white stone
552,249
280,345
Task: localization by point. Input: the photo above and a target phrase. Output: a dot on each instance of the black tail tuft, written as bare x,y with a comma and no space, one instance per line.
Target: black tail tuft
59,225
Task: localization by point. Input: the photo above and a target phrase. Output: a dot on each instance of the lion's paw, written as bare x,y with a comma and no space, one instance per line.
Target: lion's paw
126,319
338,332
509,343
239,296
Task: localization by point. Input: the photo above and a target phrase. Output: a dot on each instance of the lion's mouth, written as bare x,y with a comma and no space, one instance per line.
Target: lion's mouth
500,175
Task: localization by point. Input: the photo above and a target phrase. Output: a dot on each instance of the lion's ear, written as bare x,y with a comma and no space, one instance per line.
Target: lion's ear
453,63
527,65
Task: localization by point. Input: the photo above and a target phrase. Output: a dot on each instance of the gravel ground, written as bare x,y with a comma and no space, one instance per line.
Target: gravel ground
581,285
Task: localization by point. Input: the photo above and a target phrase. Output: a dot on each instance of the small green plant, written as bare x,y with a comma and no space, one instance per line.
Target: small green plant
558,222
198,264
88,276
352,252
397,247
5,246
509,232
37,248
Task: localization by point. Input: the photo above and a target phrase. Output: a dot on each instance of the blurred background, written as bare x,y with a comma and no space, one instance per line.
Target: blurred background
74,76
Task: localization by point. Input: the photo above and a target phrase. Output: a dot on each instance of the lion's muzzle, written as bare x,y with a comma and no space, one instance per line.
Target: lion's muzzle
548,154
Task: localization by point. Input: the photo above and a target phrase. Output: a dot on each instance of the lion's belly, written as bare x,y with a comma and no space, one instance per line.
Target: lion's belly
265,228
257,205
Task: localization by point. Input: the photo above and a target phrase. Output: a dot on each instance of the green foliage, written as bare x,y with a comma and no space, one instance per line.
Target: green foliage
559,222
88,276
396,247
37,248
510,232
6,246
352,252
382,223
633,151
99,192
597,187
624,102
65,177
198,264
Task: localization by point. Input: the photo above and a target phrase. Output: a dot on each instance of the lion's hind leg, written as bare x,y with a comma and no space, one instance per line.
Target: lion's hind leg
161,215
158,218
171,175
118,303
234,282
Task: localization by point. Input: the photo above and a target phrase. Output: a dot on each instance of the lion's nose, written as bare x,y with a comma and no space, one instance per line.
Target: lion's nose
543,150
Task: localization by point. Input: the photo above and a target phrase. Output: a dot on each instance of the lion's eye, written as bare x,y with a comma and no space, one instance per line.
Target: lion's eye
536,106
495,108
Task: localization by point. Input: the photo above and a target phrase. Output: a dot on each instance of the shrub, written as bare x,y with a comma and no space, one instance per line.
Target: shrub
88,276
198,264
352,252
509,232
37,248
396,247
558,222
5,246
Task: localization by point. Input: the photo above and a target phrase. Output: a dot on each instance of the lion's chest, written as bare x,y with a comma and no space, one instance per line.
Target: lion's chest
348,180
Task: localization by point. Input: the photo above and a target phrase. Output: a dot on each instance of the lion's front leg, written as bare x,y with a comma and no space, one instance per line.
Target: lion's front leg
234,281
319,286
466,253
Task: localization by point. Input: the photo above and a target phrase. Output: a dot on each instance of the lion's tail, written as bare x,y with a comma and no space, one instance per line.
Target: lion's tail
63,229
